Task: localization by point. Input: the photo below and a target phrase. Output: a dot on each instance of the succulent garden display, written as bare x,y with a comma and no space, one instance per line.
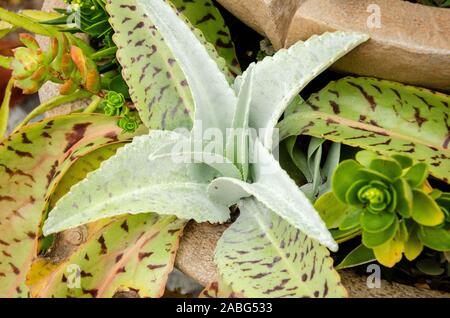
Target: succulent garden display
176,132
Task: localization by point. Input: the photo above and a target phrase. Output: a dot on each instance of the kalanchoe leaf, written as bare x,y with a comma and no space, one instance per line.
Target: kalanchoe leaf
273,187
262,255
116,256
373,240
31,161
204,15
137,180
158,86
280,78
389,168
382,116
359,256
417,174
219,289
375,223
425,210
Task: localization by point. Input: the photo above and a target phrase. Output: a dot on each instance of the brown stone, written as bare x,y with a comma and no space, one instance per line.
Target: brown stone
412,44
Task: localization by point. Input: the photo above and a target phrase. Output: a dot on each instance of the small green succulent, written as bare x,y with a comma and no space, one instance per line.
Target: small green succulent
389,202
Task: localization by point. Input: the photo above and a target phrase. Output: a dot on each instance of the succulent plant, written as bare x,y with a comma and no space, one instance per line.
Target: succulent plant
389,201
64,64
30,65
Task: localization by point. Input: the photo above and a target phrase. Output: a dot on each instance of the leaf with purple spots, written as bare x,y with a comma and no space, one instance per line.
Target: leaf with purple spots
159,81
263,256
218,289
132,254
386,117
204,15
31,160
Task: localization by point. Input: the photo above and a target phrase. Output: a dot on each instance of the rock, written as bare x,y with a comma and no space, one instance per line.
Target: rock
410,45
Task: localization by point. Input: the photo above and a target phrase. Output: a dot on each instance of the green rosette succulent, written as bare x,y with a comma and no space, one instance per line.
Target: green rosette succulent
390,203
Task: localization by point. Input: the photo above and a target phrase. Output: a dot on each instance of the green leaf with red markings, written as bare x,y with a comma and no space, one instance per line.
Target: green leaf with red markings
386,117
31,160
218,289
205,16
130,254
158,79
261,255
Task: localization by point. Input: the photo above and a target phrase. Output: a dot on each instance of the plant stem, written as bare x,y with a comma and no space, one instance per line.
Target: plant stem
96,100
26,23
52,103
104,53
4,109
5,61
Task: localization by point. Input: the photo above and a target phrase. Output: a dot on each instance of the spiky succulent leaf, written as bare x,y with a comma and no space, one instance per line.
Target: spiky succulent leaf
143,176
238,142
204,15
261,255
29,162
280,78
386,117
273,187
164,61
134,253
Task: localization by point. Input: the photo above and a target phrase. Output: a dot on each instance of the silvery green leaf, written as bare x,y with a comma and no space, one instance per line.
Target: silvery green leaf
214,99
280,78
278,192
333,159
138,180
238,139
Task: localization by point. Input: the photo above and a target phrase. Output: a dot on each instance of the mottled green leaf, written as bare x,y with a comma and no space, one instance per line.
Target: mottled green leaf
30,161
130,254
136,180
280,78
204,15
261,255
382,116
164,61
218,289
